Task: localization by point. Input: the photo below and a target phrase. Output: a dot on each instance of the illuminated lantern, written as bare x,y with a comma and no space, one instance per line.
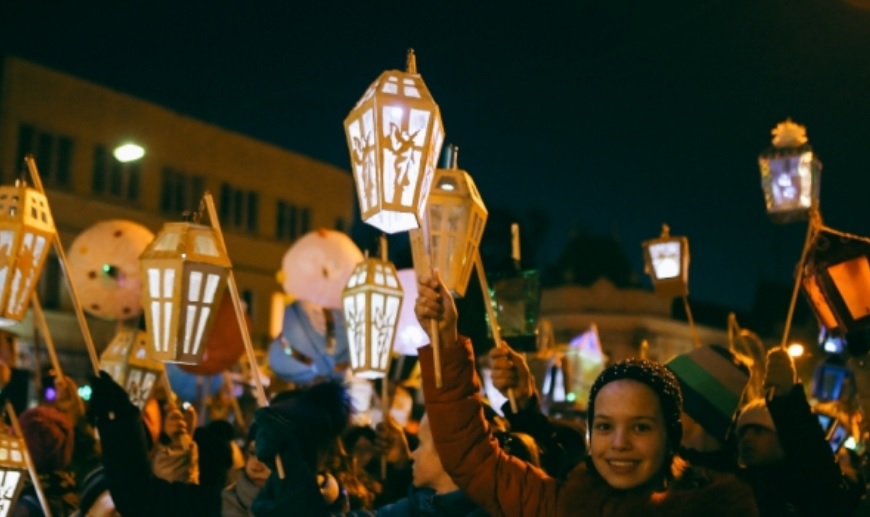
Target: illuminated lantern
371,301
224,345
453,227
312,345
26,233
13,471
837,281
666,261
104,265
317,266
394,135
409,334
185,270
790,174
126,360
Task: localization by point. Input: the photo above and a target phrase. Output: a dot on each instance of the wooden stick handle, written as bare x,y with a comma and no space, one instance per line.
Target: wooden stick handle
49,342
31,468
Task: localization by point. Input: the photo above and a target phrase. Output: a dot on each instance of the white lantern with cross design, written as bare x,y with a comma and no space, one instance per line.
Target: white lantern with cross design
13,471
127,360
185,271
371,302
394,135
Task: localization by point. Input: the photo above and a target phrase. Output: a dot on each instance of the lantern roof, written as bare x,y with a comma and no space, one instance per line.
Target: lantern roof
397,84
23,204
187,241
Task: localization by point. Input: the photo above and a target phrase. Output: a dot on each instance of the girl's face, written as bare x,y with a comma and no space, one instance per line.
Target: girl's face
628,440
256,470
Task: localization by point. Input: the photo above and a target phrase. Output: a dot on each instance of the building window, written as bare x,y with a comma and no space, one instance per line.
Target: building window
50,284
113,178
180,192
52,152
249,298
291,222
239,208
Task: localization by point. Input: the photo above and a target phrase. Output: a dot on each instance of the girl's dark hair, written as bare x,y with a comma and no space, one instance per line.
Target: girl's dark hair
519,445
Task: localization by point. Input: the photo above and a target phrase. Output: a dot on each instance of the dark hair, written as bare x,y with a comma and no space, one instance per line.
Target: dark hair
519,445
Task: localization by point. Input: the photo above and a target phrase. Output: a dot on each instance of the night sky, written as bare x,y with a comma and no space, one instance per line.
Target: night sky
610,117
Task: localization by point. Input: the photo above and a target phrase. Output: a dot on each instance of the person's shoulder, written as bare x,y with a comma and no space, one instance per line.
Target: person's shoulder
712,492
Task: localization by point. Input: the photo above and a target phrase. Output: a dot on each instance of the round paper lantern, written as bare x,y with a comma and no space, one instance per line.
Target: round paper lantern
188,386
104,267
409,334
317,266
224,345
301,354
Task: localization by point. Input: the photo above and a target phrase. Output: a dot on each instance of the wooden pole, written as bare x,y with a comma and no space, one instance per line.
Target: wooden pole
61,255
39,316
423,266
31,468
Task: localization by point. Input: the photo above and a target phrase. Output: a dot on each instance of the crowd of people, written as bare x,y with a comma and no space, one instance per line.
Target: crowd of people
683,438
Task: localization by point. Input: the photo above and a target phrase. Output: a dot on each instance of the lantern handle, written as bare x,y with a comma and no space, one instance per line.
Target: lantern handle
813,227
421,267
240,316
493,322
61,255
411,62
31,468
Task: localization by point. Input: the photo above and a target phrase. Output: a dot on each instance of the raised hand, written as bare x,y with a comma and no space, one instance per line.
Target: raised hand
434,302
511,371
68,400
781,374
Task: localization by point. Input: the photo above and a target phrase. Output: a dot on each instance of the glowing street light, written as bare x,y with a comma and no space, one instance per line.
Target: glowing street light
795,350
128,152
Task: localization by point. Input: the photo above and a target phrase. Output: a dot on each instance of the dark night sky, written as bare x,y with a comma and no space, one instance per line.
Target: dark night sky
612,117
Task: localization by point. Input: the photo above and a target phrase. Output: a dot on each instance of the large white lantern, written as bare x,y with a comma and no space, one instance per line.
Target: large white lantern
454,224
185,270
371,301
13,471
666,261
26,233
394,135
104,266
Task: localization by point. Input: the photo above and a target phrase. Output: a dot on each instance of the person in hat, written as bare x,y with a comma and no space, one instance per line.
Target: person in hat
634,422
784,453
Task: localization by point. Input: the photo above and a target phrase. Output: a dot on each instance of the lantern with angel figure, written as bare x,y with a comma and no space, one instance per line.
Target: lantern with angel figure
790,174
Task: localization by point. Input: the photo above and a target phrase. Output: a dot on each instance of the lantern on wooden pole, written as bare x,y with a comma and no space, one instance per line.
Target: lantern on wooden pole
666,261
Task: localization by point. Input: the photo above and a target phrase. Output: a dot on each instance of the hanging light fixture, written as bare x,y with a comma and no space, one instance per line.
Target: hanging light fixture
453,226
127,360
790,174
371,302
185,271
394,135
26,232
666,261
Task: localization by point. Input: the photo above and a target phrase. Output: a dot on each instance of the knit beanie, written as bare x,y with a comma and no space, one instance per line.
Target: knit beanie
712,379
659,379
49,437
755,413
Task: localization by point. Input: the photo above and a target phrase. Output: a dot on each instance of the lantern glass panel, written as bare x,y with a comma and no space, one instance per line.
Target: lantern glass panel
665,258
791,182
852,280
819,303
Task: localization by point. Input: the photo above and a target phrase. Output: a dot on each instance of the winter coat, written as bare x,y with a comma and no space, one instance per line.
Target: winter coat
237,498
424,502
505,486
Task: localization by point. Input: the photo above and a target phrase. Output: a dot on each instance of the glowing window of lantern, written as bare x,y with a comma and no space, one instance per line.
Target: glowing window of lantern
167,242
200,297
823,310
205,245
666,259
852,279
161,283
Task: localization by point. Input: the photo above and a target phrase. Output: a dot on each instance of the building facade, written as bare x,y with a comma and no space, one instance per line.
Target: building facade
266,196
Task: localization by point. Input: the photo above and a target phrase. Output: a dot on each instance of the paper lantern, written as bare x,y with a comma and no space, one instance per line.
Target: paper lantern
394,135
312,345
104,266
666,261
185,270
26,233
126,359
454,224
790,174
13,471
409,334
224,344
837,281
317,266
371,311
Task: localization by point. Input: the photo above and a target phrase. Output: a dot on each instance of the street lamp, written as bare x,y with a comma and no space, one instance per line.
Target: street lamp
128,152
453,226
394,135
371,302
185,271
790,174
666,261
